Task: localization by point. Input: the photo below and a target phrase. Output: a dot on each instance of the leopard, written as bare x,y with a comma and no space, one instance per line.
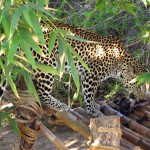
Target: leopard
105,56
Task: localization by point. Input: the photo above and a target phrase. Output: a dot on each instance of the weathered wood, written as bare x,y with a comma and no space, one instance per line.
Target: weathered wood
137,114
125,120
147,108
82,112
135,140
126,144
145,123
85,131
74,123
62,116
105,132
142,113
137,148
135,117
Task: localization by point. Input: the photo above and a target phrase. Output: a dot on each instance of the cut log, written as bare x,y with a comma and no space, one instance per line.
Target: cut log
146,124
135,138
126,144
105,132
74,123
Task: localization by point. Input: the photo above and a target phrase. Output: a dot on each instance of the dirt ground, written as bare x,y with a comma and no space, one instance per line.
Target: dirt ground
70,138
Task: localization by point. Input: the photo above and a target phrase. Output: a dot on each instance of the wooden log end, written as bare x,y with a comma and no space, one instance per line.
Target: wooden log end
105,131
103,148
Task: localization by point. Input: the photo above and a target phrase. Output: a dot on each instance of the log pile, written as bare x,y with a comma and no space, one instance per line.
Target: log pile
135,128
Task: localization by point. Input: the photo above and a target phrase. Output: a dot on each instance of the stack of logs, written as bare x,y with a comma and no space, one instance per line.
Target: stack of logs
135,129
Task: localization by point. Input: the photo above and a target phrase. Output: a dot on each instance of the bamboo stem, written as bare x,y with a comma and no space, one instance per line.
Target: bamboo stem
51,137
74,123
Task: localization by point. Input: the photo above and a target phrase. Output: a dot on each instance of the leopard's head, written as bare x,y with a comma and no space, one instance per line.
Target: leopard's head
130,70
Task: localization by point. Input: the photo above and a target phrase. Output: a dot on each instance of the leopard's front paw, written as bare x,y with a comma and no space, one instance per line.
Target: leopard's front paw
96,113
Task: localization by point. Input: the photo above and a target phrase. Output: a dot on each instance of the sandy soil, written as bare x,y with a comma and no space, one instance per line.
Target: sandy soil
72,139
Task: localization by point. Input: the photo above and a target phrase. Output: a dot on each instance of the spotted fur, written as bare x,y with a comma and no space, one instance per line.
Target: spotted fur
106,57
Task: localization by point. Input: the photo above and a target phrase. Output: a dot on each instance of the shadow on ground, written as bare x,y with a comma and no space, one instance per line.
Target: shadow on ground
70,138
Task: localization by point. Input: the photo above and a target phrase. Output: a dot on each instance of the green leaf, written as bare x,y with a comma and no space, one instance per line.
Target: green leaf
7,4
47,69
101,4
12,85
61,46
6,26
63,32
142,78
13,48
41,4
2,114
75,96
15,20
22,59
8,69
148,78
149,41
17,63
26,16
3,71
29,55
37,7
73,69
36,26
129,8
13,124
33,1
46,2
81,101
61,55
30,85
51,42
1,15
28,37
77,38
138,52
2,65
4,47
